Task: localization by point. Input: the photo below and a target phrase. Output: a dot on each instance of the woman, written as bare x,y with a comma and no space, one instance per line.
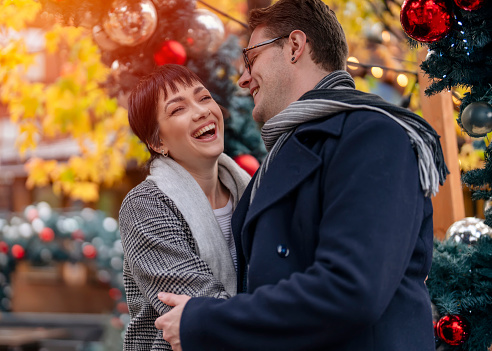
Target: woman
175,225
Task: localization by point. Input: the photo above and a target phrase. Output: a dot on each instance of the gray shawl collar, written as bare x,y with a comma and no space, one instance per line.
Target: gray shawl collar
174,181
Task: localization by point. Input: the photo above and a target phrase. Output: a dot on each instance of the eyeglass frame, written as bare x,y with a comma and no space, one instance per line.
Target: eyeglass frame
247,64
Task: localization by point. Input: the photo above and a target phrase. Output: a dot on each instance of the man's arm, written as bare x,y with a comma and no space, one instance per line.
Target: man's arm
169,323
368,228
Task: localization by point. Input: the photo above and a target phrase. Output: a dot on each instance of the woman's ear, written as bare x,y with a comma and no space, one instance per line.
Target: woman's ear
160,148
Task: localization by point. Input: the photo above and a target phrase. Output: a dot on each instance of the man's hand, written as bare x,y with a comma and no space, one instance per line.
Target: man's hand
169,322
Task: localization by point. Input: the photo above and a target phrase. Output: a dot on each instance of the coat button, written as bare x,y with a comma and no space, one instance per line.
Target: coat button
283,251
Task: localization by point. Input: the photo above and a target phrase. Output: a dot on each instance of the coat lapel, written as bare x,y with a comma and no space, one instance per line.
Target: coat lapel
293,164
282,177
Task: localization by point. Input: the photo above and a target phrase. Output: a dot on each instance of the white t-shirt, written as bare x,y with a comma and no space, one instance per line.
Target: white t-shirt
224,216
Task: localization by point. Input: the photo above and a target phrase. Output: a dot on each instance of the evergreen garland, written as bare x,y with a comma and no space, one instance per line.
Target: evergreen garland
460,283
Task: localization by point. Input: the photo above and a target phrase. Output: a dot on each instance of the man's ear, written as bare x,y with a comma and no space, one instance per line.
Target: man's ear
297,42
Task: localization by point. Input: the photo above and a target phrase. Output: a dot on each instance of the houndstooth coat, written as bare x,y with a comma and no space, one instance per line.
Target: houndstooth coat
161,254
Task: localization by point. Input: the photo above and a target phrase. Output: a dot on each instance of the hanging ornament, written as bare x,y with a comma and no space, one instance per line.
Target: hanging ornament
116,323
87,19
47,234
476,119
426,20
129,23
247,162
205,34
467,230
103,40
453,330
31,213
4,248
469,5
18,251
171,5
78,235
171,51
165,4
122,307
89,251
115,294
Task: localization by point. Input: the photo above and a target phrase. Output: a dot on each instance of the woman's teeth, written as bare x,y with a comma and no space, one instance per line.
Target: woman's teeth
203,130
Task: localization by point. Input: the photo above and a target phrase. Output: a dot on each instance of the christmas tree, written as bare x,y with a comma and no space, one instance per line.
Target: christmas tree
458,35
459,39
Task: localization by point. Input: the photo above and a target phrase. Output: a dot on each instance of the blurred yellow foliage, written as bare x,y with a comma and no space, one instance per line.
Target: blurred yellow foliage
73,106
16,13
469,158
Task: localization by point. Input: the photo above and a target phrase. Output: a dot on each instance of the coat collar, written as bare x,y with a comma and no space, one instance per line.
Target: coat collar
293,164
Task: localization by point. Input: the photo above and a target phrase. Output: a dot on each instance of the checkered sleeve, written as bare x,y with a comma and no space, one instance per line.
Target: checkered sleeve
160,254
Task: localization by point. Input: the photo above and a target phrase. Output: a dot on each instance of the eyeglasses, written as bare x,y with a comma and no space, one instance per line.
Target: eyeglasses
247,64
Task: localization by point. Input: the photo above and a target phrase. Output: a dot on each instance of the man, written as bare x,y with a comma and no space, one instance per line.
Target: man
334,233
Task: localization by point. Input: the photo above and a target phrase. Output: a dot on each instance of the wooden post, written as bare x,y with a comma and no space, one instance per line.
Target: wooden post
438,111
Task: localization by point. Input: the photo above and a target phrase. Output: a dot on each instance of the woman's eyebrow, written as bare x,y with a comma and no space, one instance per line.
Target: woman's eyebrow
180,98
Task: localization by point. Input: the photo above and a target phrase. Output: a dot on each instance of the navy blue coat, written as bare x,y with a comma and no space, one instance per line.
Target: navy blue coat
338,241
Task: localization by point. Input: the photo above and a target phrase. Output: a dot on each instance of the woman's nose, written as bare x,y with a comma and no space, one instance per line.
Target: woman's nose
245,79
201,112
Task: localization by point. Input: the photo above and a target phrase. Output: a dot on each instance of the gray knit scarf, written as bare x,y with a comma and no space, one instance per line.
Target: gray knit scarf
336,93
178,184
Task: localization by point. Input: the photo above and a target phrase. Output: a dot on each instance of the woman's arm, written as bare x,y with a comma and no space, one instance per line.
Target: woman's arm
159,250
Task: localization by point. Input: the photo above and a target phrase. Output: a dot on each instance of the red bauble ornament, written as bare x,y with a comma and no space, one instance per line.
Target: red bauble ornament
78,235
115,294
248,163
122,307
453,330
426,20
32,214
469,5
4,248
171,51
89,251
117,323
18,251
47,234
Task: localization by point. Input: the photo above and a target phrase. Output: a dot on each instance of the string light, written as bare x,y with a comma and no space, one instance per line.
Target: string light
352,59
377,72
386,36
402,80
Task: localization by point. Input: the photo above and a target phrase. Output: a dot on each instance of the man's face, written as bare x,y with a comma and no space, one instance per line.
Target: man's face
269,81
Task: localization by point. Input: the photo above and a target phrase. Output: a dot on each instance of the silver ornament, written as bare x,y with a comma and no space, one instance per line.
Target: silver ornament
467,230
103,40
129,23
206,33
477,118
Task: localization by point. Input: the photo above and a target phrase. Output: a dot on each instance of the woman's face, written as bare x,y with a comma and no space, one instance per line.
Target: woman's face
191,126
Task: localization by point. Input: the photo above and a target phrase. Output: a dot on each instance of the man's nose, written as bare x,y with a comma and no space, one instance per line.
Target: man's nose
245,79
